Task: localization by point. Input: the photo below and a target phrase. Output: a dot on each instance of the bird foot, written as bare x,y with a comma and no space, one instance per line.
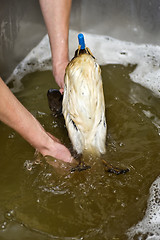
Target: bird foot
80,167
110,168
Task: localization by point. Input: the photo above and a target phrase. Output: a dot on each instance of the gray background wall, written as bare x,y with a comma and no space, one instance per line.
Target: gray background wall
22,25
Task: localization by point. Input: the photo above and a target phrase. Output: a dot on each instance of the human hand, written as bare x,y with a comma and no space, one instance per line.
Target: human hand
56,149
59,72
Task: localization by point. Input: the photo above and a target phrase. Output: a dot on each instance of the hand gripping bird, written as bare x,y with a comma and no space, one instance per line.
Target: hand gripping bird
83,106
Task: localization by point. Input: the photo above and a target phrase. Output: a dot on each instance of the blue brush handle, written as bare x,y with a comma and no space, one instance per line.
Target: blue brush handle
81,40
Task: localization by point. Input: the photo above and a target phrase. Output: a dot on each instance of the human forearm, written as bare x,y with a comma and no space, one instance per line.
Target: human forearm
15,115
56,15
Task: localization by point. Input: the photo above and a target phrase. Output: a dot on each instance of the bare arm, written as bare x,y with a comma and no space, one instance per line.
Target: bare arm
56,15
15,115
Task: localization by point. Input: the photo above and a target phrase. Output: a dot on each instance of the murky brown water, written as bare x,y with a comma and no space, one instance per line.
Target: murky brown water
45,204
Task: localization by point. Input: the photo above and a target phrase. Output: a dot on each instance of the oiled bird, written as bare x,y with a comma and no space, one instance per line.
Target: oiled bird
83,106
83,103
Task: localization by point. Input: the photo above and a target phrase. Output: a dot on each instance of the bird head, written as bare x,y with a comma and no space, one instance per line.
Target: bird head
82,49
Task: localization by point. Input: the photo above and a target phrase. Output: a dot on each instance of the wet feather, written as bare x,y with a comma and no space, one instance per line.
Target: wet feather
84,106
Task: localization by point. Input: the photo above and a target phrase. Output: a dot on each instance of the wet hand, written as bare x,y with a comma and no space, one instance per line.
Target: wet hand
59,72
56,149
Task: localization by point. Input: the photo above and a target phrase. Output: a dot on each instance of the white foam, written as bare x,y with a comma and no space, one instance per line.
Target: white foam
39,59
154,119
107,50
150,225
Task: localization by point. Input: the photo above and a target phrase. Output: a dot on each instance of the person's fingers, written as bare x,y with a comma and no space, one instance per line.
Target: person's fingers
61,90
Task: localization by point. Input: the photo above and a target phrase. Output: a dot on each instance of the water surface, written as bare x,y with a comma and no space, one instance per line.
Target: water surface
39,202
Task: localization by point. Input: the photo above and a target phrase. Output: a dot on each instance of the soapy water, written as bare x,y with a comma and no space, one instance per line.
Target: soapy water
147,73
149,227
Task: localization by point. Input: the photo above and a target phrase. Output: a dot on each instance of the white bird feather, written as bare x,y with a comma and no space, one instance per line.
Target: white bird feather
84,105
